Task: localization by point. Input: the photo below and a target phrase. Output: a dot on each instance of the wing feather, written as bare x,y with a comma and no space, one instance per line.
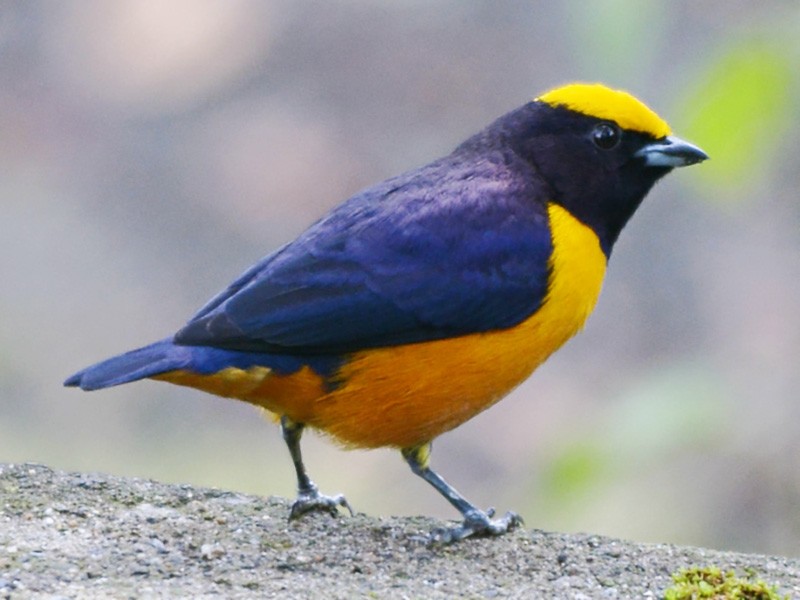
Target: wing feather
459,246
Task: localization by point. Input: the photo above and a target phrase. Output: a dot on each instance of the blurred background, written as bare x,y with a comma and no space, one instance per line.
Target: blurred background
150,151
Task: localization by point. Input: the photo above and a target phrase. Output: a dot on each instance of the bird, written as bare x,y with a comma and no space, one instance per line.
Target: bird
421,301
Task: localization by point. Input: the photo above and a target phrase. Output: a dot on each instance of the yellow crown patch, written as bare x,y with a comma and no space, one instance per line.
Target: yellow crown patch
596,100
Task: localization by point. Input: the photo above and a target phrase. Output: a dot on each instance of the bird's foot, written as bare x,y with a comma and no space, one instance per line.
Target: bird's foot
311,500
477,523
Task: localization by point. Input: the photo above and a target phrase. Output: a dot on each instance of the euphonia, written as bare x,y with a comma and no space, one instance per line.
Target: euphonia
423,300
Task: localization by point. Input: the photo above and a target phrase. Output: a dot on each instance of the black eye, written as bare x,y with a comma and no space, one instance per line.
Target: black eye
606,136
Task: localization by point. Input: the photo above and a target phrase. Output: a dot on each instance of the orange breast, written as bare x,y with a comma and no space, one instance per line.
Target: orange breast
407,395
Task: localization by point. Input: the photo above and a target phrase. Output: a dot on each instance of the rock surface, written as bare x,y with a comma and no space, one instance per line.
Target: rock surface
66,535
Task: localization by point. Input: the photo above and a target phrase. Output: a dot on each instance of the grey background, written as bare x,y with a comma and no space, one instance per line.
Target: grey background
150,151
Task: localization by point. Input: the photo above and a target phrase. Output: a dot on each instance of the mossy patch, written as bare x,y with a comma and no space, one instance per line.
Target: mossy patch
696,583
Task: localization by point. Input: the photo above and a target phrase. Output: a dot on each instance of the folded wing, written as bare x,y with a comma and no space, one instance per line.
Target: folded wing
457,247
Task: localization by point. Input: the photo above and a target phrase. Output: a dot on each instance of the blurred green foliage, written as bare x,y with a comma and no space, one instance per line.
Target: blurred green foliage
740,112
672,410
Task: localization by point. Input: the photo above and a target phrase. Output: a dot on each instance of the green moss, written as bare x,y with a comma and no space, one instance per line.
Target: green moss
697,583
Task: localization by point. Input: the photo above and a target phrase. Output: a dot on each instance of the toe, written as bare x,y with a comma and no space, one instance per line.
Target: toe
477,523
315,501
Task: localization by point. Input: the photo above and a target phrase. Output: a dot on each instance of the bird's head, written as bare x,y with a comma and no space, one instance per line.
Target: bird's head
599,151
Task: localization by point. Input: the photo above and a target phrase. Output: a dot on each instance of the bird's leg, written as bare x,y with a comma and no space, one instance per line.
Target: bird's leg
476,521
308,496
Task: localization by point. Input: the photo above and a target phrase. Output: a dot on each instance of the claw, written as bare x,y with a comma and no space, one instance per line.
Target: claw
477,523
311,500
308,497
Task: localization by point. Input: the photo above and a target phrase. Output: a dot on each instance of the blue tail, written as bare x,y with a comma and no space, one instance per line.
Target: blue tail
165,356
151,360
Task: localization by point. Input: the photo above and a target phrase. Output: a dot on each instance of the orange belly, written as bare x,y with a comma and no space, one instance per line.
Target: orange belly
403,396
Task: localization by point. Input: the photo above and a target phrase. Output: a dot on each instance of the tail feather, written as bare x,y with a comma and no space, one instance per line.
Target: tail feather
165,356
145,362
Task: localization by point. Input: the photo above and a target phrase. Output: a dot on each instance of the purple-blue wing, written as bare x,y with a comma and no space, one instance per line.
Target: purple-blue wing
457,247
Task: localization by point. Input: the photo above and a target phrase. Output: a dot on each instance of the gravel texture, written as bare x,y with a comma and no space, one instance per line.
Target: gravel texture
65,535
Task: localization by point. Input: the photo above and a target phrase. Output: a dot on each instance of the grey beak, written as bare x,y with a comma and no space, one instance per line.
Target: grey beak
671,152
